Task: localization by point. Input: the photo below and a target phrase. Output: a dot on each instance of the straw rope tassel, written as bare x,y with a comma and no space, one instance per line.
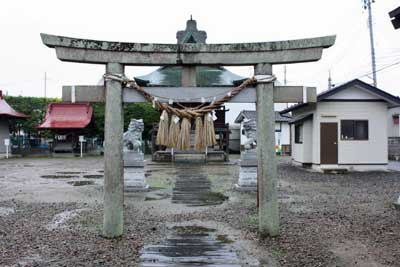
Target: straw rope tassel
199,134
184,135
174,130
162,134
209,132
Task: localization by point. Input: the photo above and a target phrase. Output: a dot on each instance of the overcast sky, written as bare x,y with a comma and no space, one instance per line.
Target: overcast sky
24,59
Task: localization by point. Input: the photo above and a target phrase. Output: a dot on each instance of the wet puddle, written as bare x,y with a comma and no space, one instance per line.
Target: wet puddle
193,188
5,211
81,182
191,246
93,176
58,176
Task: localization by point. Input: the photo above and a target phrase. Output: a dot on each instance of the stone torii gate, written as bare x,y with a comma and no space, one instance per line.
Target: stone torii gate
116,55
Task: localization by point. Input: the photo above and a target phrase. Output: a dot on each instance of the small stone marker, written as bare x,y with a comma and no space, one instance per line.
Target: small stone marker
7,144
82,140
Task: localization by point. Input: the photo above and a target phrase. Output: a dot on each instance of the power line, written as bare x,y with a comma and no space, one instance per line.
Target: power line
383,68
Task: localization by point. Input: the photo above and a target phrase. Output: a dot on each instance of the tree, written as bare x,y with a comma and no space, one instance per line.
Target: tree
34,106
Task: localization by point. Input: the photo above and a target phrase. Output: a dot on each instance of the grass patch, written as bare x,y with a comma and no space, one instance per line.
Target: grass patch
224,239
213,197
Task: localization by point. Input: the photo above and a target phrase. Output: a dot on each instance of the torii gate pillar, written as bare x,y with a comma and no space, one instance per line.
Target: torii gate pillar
268,212
113,218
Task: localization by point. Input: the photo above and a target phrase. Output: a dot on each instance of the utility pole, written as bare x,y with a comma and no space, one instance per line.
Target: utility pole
284,75
45,85
285,80
367,6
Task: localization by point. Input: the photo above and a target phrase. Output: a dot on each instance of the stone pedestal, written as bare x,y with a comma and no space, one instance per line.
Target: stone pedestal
133,159
248,171
134,178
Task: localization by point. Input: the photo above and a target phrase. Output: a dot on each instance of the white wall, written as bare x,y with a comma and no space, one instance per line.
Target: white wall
393,129
4,134
282,137
285,134
353,92
371,151
303,152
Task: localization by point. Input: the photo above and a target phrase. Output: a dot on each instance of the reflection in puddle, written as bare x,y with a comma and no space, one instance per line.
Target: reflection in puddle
193,188
81,182
59,176
191,246
93,176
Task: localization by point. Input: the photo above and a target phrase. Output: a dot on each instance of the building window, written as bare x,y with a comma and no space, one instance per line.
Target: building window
278,126
396,119
298,133
354,129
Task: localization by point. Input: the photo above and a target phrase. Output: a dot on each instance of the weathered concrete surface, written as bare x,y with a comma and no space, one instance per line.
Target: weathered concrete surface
101,52
282,94
325,216
196,58
266,172
113,164
189,76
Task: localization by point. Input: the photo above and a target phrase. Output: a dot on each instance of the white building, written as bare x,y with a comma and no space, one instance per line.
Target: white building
393,122
394,133
345,129
7,113
282,129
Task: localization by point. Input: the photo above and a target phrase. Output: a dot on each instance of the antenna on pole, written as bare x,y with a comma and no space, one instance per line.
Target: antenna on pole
367,6
329,80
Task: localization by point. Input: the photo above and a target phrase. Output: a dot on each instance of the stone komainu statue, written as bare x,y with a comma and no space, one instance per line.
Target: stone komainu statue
250,130
133,136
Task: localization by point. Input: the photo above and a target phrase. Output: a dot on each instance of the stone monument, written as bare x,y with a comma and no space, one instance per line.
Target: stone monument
134,178
248,160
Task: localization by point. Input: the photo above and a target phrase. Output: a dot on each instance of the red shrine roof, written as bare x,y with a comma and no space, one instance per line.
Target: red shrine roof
8,111
62,115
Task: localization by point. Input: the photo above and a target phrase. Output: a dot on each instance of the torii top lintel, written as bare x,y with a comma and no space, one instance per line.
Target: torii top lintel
191,49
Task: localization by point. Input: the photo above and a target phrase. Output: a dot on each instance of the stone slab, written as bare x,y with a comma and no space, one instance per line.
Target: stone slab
247,179
282,94
248,158
133,159
142,54
135,180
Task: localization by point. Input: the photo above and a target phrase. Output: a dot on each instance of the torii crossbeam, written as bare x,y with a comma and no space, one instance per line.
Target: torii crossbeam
116,55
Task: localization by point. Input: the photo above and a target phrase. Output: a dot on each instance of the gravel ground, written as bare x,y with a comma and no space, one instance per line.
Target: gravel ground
327,219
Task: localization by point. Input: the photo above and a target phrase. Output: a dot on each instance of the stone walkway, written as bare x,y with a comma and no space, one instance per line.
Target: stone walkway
191,246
